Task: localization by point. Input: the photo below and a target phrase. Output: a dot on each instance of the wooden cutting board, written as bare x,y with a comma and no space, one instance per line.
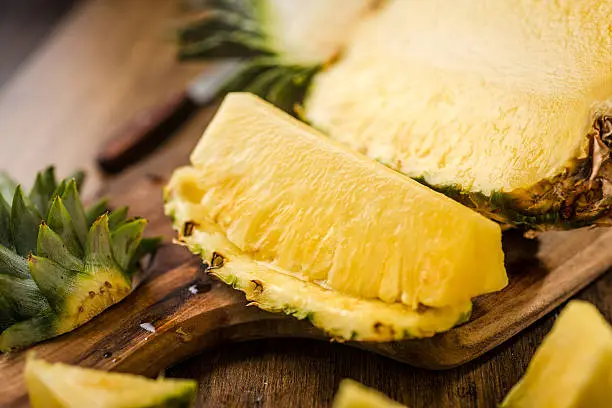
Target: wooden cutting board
191,312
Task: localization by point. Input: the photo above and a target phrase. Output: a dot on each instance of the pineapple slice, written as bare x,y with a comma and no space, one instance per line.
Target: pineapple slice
505,107
352,394
573,366
59,270
63,386
271,204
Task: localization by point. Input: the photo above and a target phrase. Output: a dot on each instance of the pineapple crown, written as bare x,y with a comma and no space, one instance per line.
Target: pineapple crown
232,29
49,243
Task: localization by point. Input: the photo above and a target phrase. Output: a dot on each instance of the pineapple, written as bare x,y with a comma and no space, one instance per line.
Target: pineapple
60,265
304,226
504,106
573,366
63,386
351,394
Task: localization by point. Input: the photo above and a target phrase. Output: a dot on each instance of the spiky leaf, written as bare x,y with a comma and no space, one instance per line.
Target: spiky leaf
96,210
54,281
25,219
20,299
44,186
126,240
51,245
117,218
60,221
5,224
29,331
99,250
12,264
73,205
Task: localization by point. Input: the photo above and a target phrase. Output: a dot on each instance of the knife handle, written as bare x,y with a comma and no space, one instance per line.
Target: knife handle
141,134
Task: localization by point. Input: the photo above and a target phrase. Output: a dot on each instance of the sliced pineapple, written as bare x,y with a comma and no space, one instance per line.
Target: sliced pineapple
352,394
276,205
63,386
505,107
573,366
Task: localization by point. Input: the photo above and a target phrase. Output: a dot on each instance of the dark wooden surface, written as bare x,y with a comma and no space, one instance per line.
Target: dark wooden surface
86,79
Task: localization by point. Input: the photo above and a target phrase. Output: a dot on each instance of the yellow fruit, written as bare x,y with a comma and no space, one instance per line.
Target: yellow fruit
64,386
505,106
573,366
267,190
351,394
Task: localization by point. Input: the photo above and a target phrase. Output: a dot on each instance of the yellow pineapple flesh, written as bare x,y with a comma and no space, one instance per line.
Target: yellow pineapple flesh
573,366
488,96
268,190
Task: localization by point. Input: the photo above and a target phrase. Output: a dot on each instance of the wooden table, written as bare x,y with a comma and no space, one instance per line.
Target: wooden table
107,60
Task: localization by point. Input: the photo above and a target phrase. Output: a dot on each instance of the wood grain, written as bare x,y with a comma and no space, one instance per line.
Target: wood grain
111,59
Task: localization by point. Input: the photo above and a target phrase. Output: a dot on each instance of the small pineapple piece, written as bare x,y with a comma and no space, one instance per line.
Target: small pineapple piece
573,366
352,394
64,386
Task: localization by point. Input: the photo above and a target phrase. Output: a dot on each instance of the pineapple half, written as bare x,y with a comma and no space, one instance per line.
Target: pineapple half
63,386
60,265
504,106
573,366
306,227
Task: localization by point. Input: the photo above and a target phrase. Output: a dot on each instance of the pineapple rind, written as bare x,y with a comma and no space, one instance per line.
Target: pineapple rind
341,316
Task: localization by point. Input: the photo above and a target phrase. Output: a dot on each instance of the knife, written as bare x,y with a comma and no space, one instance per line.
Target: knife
142,133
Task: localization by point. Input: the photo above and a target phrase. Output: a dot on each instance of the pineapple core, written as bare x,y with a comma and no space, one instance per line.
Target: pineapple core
490,96
301,204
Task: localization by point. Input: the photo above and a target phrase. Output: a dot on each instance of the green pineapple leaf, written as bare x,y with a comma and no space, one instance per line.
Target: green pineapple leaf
25,219
74,207
51,245
126,240
60,221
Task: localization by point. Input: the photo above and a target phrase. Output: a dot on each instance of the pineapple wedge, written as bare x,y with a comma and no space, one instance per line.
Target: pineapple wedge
504,106
304,226
63,386
573,366
352,394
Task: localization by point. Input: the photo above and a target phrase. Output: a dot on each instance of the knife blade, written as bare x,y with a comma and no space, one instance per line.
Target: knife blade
145,131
